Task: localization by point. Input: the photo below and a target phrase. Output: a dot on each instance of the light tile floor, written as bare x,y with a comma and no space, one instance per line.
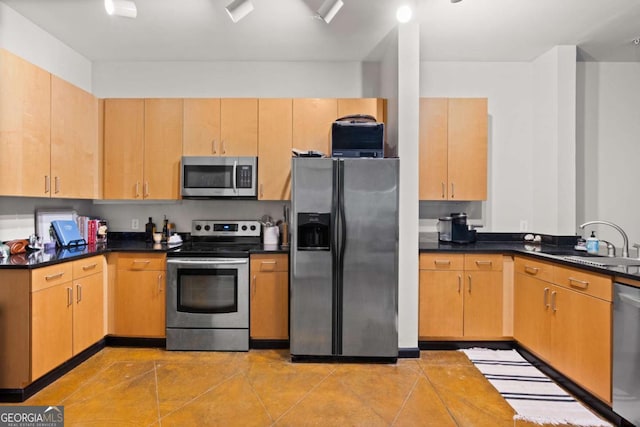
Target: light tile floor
153,387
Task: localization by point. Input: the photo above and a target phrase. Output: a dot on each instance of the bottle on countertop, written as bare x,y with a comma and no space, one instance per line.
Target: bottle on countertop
149,229
593,244
165,230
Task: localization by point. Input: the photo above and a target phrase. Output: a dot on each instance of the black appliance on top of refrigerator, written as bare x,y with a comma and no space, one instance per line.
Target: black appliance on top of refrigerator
344,259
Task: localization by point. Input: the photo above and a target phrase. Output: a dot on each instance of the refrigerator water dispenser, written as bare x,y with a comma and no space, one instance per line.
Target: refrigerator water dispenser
313,231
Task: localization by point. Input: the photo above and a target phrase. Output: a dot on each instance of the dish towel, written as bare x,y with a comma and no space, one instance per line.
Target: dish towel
530,393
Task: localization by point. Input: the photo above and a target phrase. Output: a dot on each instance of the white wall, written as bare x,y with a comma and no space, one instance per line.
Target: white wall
23,38
608,126
228,79
554,147
508,87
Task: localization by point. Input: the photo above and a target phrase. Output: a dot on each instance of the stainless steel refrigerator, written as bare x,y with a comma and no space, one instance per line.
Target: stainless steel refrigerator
344,258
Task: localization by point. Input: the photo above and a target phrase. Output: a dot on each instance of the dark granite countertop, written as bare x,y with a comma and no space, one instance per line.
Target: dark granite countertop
552,248
117,242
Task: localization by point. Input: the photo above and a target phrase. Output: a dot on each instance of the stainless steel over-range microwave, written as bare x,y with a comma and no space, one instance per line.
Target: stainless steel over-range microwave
208,176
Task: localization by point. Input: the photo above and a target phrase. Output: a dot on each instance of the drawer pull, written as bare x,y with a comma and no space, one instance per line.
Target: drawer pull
268,262
442,262
141,261
89,266
531,270
578,283
478,262
54,276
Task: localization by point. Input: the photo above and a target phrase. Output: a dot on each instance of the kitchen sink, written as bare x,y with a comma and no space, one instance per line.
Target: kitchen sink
603,261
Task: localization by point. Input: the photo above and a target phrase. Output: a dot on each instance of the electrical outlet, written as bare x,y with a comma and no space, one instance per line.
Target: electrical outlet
523,225
135,224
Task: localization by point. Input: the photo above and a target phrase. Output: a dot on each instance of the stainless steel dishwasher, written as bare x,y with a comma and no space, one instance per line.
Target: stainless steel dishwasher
626,352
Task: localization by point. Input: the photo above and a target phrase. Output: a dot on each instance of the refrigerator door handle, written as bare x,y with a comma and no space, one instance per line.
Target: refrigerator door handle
335,251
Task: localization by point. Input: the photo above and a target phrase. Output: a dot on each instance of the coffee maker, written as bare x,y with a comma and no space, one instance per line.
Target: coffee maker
460,230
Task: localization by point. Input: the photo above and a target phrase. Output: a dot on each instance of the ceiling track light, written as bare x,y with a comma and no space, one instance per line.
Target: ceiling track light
126,8
329,9
238,9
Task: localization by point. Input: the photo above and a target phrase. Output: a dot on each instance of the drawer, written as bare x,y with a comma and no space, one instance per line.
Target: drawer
597,285
480,262
266,262
530,267
441,261
45,277
141,261
87,266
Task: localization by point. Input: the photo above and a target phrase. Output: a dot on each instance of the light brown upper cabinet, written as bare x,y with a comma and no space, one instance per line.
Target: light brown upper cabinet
142,148
25,128
376,107
75,151
312,119
239,127
453,148
201,127
162,148
221,127
123,148
274,148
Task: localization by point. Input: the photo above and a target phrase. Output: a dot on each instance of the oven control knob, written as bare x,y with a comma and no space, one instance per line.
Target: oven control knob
253,228
198,227
207,227
244,228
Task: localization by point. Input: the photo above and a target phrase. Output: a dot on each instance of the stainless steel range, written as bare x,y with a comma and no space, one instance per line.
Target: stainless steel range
208,287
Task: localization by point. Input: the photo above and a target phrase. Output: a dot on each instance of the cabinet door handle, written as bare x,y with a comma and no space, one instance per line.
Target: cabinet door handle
69,296
137,188
79,293
261,190
469,276
442,262
213,146
459,283
146,189
223,147
553,301
47,184
453,193
443,188
54,276
89,266
545,298
531,270
255,288
57,184
578,283
159,282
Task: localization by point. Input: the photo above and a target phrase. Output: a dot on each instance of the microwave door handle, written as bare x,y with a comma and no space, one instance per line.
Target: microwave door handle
235,167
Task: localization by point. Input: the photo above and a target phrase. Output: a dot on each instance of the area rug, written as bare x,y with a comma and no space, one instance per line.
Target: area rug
533,396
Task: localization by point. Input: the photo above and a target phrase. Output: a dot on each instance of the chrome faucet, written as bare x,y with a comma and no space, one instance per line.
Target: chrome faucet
625,238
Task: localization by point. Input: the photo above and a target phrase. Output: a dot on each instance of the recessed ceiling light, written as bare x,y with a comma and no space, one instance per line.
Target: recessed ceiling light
238,9
126,8
404,14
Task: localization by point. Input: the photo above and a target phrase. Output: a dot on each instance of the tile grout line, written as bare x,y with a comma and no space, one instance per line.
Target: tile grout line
258,397
437,392
406,399
304,396
155,376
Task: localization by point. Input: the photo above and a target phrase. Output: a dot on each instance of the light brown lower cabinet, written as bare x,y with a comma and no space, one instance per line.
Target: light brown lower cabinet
269,297
461,296
563,316
67,312
139,295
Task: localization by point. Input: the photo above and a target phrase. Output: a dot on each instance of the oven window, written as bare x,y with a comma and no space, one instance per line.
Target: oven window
210,176
207,290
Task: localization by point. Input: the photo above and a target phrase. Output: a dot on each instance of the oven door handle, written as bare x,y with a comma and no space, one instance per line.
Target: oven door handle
207,261
235,169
